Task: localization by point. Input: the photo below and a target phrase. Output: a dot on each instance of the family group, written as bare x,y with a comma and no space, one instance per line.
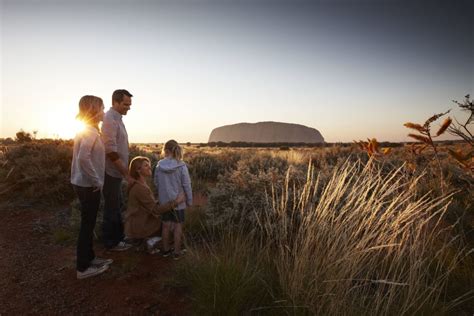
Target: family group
100,165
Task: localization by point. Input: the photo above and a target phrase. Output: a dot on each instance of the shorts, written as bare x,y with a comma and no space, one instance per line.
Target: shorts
176,216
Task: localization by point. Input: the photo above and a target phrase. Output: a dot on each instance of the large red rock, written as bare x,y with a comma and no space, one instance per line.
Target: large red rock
266,132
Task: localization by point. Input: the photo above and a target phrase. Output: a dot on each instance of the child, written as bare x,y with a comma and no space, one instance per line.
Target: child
171,179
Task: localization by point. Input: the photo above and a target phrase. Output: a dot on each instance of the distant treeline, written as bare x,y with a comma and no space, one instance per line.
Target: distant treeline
310,145
23,137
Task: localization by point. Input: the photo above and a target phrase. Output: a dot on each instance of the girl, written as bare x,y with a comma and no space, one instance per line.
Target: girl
87,178
171,179
142,217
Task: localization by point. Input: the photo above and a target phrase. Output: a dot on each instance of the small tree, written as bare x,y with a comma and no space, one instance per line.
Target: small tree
23,137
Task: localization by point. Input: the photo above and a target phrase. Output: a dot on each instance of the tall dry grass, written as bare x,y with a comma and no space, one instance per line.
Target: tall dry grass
364,243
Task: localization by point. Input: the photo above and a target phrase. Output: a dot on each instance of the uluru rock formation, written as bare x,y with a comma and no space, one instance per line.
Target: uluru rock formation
266,132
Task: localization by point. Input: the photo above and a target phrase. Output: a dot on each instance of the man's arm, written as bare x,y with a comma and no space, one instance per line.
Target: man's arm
118,163
110,129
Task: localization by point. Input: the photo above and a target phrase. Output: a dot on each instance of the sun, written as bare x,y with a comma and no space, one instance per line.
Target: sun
67,129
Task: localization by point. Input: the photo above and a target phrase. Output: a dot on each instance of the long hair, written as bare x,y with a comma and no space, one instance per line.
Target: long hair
89,107
173,147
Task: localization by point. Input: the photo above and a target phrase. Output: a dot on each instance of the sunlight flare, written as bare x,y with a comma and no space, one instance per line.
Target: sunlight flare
67,129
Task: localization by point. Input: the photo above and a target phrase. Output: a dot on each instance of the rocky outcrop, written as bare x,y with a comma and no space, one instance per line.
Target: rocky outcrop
266,132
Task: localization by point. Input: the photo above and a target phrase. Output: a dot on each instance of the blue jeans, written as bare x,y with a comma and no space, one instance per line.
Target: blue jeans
90,202
112,225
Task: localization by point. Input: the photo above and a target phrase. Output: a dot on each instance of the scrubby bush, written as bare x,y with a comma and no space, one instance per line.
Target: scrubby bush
242,193
205,167
23,137
135,151
6,141
37,172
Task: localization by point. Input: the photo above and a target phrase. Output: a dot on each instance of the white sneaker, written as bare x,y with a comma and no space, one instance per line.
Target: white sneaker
153,251
91,271
100,261
121,246
151,242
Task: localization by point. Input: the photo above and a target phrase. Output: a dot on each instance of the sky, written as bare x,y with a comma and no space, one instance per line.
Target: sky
350,69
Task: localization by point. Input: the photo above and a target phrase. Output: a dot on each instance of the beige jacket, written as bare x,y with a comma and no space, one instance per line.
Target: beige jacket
142,217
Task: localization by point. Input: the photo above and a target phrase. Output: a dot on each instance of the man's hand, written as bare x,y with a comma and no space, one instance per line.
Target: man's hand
96,189
123,170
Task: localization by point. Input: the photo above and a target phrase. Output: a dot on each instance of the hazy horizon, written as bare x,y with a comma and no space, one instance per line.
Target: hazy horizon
350,69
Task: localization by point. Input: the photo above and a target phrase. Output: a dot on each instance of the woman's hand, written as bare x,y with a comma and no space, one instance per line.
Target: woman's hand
130,180
180,199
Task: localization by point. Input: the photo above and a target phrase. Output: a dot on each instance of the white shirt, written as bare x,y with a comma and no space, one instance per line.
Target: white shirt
88,160
115,139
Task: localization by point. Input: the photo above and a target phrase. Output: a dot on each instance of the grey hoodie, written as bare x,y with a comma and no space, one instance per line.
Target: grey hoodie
171,179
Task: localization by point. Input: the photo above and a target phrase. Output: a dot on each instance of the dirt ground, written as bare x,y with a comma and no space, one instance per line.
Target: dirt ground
38,276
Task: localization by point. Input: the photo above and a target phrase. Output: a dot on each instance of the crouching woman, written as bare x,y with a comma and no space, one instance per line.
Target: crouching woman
142,217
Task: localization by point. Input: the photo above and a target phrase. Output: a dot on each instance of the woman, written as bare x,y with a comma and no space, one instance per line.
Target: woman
143,215
87,178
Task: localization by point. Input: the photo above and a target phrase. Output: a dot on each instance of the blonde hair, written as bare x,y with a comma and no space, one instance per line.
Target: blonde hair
135,165
89,107
173,147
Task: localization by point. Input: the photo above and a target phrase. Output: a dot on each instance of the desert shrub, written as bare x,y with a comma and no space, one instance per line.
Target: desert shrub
205,167
38,172
455,180
135,151
246,191
7,141
241,192
335,155
237,195
23,137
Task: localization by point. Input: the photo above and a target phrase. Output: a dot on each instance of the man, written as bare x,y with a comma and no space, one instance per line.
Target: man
115,139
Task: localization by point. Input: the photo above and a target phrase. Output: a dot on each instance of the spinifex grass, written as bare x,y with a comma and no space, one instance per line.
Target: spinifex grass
225,277
364,243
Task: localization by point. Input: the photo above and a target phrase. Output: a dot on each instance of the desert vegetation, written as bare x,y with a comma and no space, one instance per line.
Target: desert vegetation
333,231
362,228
